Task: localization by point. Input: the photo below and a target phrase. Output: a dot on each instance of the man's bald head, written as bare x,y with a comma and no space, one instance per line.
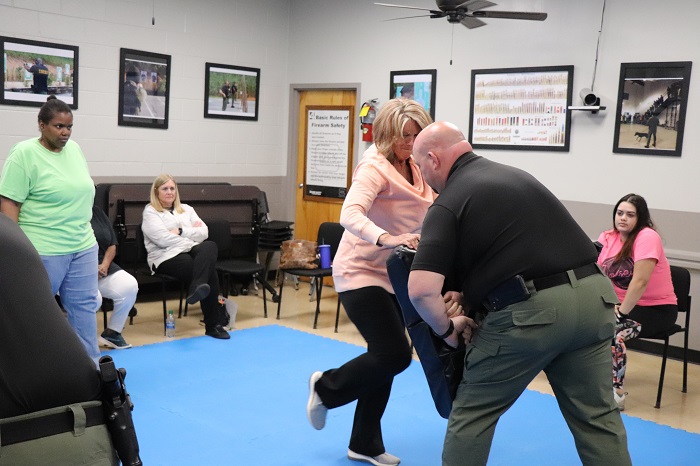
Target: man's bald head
435,150
440,136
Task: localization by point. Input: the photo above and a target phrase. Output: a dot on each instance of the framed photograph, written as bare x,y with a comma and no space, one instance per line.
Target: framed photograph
231,92
35,69
144,89
521,108
418,85
651,102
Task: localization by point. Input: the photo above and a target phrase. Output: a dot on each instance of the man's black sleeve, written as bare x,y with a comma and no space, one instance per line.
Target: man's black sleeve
437,249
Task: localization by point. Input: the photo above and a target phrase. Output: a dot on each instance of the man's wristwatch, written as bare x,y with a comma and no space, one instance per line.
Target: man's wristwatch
450,331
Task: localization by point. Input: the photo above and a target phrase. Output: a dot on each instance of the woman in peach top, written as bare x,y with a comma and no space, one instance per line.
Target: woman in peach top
384,208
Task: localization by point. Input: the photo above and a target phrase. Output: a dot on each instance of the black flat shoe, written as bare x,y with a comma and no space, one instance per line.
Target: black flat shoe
217,332
199,293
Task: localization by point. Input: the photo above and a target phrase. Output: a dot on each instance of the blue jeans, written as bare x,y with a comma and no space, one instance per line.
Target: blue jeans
74,277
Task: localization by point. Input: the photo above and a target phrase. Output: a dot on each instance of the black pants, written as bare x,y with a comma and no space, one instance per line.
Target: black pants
368,377
654,319
194,268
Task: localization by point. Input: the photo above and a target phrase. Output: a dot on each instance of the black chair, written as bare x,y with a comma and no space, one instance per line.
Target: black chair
328,233
272,232
108,306
239,261
681,286
164,279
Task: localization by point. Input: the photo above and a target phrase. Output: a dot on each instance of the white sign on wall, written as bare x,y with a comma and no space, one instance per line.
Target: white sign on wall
328,132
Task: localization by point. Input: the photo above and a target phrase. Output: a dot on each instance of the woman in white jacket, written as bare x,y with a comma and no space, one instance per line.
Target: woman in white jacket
175,239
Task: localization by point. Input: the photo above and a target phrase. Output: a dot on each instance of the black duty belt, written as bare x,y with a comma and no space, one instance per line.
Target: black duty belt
24,430
517,289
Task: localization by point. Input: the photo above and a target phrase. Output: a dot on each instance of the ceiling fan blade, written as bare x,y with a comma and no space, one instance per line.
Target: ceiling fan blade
473,5
408,7
472,23
409,17
533,16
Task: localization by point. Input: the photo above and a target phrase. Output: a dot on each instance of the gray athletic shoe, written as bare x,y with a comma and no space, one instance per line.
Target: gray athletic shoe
385,459
314,408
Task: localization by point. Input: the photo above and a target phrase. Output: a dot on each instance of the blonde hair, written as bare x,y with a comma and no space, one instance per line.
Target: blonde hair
391,120
155,201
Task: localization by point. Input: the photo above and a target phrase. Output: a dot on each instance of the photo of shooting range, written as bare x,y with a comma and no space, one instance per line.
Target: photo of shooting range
33,70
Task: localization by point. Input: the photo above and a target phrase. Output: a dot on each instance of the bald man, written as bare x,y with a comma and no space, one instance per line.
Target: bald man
527,273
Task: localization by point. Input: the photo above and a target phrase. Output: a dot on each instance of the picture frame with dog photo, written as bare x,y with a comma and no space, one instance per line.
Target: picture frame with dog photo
651,107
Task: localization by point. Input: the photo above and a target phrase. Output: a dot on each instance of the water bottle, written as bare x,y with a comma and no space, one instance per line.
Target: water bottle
170,325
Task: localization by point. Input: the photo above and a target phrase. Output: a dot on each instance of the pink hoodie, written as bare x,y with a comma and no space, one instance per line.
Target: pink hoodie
379,201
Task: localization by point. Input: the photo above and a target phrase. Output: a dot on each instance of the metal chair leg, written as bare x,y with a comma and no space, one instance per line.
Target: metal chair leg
685,361
279,303
661,377
337,315
165,306
319,288
264,299
312,288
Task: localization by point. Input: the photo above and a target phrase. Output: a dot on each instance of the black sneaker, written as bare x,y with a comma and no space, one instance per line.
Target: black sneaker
217,331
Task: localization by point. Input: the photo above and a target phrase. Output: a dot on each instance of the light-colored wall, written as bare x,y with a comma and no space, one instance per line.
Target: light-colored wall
336,41
341,41
251,33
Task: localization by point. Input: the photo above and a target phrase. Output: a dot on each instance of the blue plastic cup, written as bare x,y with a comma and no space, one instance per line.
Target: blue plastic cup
325,254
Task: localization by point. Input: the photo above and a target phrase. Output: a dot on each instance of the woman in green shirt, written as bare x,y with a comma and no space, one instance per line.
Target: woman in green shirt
46,188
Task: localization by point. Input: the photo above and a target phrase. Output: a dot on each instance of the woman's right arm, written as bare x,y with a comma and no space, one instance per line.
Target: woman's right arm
647,250
366,185
10,208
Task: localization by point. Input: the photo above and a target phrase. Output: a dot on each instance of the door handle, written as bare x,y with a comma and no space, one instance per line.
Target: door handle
301,185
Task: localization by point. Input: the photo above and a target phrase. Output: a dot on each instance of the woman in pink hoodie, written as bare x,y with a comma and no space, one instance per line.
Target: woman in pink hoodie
384,208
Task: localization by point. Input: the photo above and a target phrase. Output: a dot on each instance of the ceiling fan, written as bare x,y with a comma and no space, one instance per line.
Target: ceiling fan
468,13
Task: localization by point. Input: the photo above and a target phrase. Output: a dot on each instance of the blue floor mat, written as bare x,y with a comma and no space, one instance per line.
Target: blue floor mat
202,401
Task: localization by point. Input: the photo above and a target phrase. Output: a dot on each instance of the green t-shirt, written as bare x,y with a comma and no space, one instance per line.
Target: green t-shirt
56,193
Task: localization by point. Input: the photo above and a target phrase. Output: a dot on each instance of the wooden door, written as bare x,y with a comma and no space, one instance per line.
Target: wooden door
311,213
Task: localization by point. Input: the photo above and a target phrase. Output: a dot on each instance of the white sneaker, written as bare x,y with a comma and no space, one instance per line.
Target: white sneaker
314,408
385,459
620,399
